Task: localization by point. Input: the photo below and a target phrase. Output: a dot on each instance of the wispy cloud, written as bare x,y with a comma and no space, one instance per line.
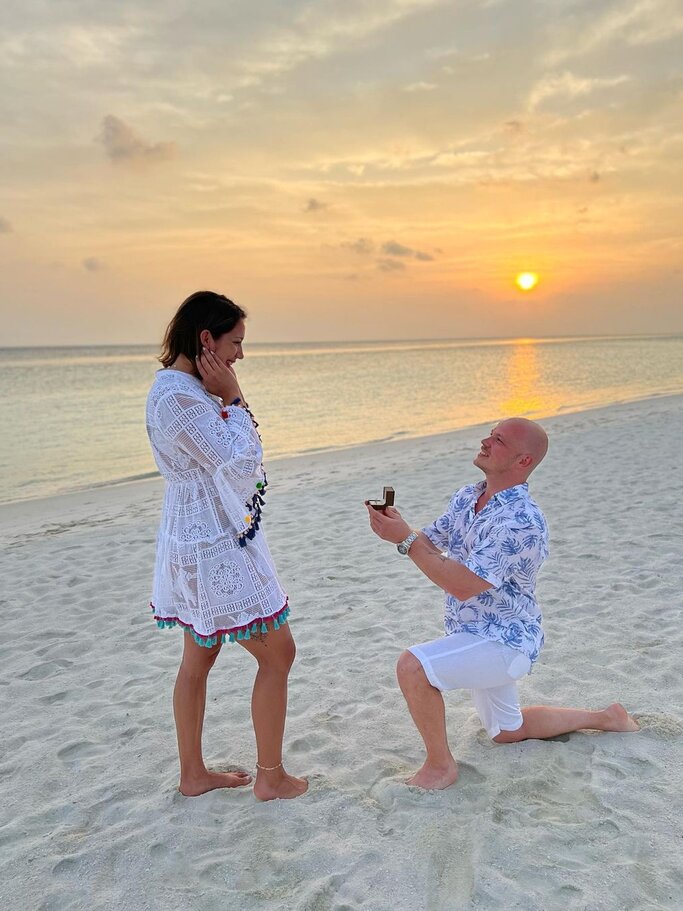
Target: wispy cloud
123,145
392,248
390,265
362,246
315,205
567,86
640,23
420,87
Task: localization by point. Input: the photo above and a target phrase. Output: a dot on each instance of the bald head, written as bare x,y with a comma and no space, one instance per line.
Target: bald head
529,439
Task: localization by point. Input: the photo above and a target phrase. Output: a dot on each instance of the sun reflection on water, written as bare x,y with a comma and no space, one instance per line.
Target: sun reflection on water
527,395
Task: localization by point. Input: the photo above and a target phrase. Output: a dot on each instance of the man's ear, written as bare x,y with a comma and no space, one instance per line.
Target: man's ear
526,460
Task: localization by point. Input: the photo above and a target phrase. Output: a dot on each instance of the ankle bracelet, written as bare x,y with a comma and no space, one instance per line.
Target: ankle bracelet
271,768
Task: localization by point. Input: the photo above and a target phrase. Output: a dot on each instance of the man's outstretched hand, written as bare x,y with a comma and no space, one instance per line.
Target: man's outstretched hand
388,524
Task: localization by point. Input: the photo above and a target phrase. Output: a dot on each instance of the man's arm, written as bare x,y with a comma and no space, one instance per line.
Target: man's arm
450,575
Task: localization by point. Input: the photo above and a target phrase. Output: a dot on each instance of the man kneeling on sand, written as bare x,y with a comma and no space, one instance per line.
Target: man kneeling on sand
495,541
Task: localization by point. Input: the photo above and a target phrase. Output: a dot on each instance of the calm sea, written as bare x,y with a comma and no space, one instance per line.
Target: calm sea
73,418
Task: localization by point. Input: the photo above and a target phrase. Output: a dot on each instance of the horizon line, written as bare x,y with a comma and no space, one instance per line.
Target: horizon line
375,341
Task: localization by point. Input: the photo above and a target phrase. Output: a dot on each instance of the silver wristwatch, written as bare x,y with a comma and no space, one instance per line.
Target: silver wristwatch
404,546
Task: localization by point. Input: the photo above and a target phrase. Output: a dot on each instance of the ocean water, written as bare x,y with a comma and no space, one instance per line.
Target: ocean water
73,418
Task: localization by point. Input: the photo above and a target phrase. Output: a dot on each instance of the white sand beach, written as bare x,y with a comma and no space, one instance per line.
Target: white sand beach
90,817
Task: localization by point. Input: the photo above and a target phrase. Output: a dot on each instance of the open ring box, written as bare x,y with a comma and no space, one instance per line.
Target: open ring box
387,499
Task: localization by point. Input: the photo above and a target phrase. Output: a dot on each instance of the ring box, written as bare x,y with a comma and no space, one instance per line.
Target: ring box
387,499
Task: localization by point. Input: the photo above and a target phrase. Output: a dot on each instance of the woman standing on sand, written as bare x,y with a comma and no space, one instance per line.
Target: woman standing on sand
214,575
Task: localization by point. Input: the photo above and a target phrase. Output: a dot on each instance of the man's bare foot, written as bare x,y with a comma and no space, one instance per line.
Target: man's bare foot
210,781
434,777
618,719
278,785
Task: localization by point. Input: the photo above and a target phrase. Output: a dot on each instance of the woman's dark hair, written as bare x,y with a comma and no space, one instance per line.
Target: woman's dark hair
201,310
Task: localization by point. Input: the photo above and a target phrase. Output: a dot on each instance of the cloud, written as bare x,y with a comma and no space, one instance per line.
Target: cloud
314,205
420,87
644,22
568,86
392,248
5,226
92,264
123,145
514,126
390,265
362,246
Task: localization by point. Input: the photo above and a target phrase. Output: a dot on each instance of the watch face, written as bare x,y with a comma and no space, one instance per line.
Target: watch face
402,549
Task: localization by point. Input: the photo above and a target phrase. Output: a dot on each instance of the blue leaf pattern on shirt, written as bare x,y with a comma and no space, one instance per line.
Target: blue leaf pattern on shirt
512,635
512,546
456,539
526,570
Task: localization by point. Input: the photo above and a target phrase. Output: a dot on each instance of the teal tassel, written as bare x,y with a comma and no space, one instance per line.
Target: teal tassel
264,627
254,628
247,635
240,634
276,625
232,637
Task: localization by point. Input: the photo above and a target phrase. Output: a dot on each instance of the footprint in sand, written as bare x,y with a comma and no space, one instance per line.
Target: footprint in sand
66,865
44,670
81,749
57,901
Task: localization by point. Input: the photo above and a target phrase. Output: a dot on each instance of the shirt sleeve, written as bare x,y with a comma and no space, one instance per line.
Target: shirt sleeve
229,447
439,530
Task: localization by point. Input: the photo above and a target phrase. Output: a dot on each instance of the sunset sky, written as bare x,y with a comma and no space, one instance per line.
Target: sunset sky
343,170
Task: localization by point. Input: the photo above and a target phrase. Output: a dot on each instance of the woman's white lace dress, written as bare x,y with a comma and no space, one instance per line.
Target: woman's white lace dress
214,574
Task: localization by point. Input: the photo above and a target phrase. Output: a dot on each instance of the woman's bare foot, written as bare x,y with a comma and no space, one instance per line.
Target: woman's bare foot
432,777
618,719
278,785
210,781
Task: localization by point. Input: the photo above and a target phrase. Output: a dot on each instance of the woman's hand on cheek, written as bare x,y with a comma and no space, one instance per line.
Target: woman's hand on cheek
217,378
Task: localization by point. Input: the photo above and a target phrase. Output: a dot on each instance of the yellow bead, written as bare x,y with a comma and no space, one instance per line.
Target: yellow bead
247,519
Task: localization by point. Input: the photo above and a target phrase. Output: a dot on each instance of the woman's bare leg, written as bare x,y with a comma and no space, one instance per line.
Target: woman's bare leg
189,702
275,653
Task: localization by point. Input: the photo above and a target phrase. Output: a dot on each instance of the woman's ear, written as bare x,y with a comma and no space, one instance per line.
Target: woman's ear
206,339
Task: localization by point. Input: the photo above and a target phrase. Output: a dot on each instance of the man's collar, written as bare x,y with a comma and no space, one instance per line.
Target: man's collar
508,495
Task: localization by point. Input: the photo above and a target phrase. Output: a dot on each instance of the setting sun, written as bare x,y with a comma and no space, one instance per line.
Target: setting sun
525,281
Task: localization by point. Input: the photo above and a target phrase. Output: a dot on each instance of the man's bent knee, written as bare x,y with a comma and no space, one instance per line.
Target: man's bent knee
408,668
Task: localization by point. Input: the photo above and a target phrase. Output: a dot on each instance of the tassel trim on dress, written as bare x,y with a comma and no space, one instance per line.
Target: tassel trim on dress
255,508
236,633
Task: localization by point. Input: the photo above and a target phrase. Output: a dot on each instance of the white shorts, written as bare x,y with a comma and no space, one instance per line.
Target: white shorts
488,669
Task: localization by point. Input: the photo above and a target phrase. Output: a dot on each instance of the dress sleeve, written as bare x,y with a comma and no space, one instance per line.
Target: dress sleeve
229,447
229,450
